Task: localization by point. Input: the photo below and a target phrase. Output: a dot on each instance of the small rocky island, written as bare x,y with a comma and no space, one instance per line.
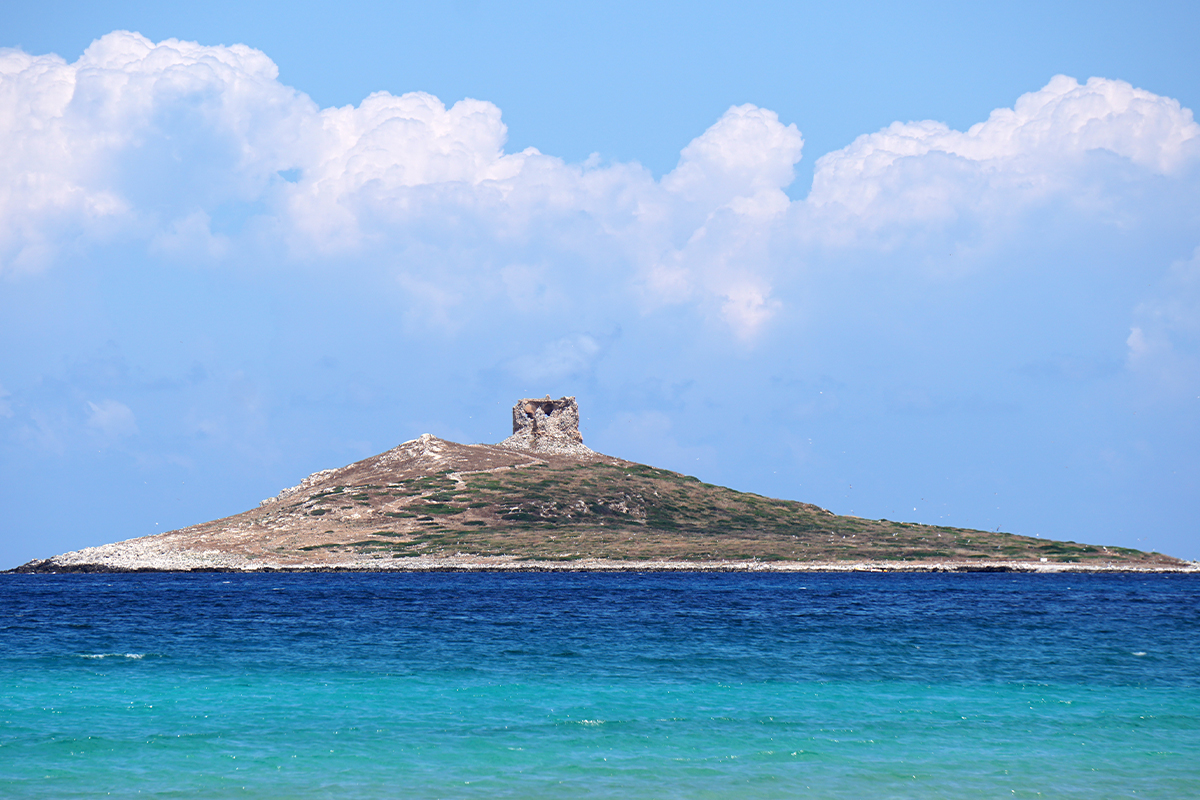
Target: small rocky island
542,500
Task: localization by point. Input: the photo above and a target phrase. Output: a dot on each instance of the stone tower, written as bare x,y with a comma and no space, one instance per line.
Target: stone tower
547,426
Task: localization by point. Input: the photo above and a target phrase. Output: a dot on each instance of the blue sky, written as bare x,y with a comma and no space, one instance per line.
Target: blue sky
937,264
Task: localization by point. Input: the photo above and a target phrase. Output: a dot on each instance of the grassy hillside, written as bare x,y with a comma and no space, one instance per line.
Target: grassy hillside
570,510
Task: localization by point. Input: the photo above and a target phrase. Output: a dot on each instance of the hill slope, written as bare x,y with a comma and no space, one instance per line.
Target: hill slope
431,502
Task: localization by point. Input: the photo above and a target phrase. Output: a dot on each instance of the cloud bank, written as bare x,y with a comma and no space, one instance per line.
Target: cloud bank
160,142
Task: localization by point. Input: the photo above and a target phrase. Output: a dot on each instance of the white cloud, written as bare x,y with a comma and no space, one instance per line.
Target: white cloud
434,304
922,170
149,142
191,237
85,142
747,308
112,419
567,357
1163,346
731,179
361,161
747,155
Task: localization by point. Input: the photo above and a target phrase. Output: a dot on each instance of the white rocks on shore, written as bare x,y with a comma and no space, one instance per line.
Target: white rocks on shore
140,555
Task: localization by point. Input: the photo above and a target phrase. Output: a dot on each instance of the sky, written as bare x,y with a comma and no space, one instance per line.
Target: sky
934,263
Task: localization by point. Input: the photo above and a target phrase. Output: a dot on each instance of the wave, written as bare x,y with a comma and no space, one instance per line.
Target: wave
112,655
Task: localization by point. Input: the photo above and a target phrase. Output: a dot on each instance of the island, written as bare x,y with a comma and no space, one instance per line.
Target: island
542,500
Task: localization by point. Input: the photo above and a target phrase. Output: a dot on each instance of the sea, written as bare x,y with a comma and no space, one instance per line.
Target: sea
594,685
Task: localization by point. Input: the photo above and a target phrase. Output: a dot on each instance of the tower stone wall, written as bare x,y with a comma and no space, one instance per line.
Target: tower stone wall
547,426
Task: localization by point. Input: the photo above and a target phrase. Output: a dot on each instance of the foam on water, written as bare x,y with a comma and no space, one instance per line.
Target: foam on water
361,686
112,655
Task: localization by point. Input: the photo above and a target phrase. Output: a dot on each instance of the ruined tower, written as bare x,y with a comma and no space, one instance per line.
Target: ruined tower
547,426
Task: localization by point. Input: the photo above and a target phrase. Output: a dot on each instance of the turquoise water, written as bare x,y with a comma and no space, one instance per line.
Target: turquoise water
650,685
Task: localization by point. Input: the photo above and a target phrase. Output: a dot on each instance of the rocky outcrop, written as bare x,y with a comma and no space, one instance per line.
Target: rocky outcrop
547,426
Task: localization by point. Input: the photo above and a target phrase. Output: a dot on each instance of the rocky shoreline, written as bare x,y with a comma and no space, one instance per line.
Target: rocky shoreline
515,564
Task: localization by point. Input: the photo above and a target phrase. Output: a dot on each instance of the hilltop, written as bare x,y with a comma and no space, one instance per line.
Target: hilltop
540,500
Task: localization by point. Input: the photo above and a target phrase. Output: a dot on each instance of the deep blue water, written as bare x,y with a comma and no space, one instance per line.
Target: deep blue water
594,685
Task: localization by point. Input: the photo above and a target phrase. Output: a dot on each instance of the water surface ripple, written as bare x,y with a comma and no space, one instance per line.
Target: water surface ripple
599,685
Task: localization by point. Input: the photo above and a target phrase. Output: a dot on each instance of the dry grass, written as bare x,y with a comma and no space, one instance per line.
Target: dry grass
564,509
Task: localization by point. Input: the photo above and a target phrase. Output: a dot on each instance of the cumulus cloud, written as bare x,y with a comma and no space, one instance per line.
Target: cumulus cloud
732,177
921,171
153,143
133,130
149,141
362,164
745,158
